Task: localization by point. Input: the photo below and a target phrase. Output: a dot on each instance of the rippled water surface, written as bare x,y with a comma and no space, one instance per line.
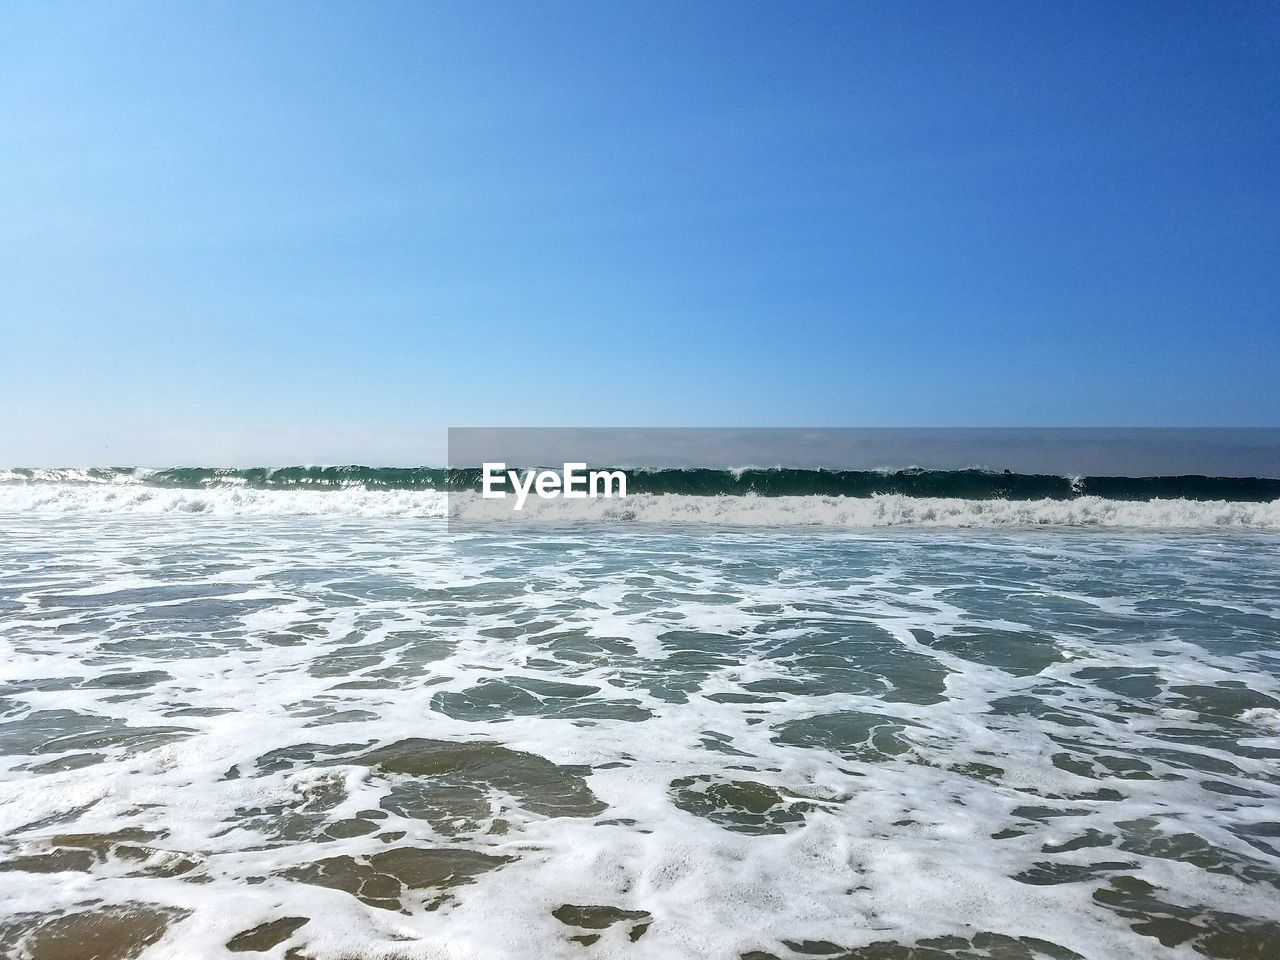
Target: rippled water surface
323,737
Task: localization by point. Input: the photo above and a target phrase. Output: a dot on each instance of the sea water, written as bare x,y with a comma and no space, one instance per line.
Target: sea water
252,723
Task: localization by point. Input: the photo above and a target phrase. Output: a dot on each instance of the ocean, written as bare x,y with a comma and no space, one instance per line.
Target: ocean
895,715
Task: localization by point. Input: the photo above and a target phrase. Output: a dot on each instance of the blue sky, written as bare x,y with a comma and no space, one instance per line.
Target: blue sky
256,232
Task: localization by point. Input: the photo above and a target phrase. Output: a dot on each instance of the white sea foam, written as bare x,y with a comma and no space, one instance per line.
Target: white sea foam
1268,718
881,511
76,475
137,498
889,510
1025,703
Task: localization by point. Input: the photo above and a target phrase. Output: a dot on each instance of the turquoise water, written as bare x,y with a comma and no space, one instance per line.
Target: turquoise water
353,736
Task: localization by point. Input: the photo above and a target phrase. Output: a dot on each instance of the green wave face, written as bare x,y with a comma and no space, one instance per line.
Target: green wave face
775,482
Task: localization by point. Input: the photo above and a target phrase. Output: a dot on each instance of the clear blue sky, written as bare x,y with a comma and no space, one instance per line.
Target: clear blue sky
254,231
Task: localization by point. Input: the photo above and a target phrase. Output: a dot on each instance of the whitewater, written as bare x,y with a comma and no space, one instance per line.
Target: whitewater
62,497
326,724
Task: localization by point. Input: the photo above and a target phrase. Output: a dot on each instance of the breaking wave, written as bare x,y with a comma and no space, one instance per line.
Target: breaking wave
118,496
972,484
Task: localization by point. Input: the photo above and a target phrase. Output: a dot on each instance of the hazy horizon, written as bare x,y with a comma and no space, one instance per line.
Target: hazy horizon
1062,451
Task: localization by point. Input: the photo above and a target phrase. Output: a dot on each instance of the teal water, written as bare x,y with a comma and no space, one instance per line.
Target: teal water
965,484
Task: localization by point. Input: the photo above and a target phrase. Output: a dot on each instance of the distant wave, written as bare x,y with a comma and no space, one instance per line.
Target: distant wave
978,485
55,497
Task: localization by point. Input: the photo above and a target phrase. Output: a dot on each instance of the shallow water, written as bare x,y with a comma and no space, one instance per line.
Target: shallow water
319,736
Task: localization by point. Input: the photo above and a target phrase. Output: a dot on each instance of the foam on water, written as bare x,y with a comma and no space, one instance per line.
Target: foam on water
810,511
885,510
384,739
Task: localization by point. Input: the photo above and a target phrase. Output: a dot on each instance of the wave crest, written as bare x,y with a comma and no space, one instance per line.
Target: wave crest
914,482
882,510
